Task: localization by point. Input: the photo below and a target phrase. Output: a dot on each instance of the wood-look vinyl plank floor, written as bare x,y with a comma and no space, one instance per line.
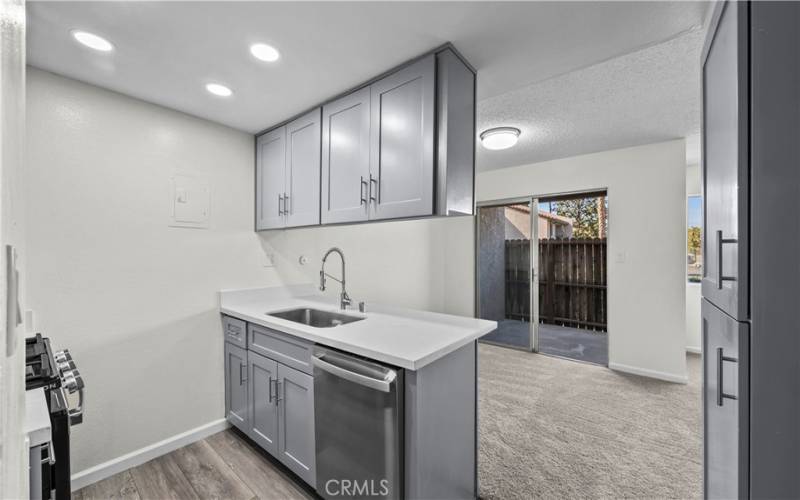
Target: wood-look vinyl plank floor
222,466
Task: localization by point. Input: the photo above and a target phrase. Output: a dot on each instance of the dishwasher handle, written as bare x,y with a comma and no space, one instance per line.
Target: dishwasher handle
384,384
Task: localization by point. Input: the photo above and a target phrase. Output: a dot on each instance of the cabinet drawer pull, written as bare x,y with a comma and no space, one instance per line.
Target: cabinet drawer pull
721,394
722,241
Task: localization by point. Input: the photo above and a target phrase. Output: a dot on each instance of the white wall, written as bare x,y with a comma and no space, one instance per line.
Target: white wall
133,299
646,240
13,454
693,290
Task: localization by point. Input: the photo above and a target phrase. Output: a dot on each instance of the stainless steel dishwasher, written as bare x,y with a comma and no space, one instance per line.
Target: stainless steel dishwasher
358,416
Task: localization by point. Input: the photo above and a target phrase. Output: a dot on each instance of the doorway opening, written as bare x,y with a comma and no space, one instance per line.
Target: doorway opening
542,274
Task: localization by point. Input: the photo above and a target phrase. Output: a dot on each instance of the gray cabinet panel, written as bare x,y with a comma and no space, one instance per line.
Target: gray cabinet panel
236,386
263,401
402,151
235,331
296,422
286,349
270,179
303,170
345,158
726,165
726,403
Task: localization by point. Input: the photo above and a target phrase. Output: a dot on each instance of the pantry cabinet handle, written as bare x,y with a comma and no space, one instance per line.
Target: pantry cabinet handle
720,392
722,241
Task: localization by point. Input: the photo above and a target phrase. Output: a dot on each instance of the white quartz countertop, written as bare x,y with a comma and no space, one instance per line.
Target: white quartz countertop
405,338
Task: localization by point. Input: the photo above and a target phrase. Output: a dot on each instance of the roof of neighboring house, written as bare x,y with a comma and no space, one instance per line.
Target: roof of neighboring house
544,214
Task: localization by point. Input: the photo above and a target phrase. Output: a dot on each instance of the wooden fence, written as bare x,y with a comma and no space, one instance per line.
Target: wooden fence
572,282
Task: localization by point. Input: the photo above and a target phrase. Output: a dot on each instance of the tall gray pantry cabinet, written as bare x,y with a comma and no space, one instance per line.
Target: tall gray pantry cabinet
751,242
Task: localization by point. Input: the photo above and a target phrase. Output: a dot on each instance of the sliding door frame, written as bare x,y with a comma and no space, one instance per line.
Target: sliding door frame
533,274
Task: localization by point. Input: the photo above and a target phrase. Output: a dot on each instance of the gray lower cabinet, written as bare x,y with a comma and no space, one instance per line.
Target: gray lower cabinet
270,401
726,355
236,393
296,447
264,406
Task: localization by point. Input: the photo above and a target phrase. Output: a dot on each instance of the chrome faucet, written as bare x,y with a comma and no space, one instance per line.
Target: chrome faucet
344,299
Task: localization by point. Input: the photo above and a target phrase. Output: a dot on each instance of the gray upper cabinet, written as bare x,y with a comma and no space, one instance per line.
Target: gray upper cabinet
263,375
288,174
270,179
236,397
296,447
726,404
345,158
303,170
726,164
401,145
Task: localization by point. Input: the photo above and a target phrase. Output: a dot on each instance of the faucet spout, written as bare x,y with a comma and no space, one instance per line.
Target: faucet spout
344,299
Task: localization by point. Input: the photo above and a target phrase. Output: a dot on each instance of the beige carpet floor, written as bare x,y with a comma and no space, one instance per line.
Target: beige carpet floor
553,428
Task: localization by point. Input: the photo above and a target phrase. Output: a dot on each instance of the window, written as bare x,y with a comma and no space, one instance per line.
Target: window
694,239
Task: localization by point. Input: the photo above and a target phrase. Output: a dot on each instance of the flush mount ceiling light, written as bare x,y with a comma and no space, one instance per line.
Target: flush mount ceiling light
92,41
220,90
499,137
264,52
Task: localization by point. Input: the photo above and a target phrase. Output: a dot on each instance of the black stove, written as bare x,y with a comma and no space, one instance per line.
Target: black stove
56,373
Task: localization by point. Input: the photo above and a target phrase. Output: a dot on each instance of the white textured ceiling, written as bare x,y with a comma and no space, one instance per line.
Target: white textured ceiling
166,52
648,96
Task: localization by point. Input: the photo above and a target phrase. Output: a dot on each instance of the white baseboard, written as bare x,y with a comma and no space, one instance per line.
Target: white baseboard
645,372
142,455
694,350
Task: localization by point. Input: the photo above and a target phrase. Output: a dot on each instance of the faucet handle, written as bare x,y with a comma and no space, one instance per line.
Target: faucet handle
322,280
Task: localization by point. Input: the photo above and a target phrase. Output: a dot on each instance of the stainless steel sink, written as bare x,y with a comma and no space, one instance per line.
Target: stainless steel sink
315,317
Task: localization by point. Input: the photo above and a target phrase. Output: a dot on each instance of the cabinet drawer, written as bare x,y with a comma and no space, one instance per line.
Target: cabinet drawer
235,331
286,349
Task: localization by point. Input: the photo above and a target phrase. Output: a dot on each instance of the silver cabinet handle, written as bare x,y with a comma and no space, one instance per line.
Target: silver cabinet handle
242,378
271,397
362,190
278,386
377,186
383,385
280,204
722,241
720,390
286,206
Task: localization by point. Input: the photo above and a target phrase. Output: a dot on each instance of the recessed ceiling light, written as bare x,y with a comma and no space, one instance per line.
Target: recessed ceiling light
220,90
499,137
265,52
92,41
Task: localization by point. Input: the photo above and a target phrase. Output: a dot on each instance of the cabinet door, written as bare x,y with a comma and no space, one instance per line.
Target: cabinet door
296,422
401,157
725,403
236,386
345,158
263,375
726,165
270,179
303,148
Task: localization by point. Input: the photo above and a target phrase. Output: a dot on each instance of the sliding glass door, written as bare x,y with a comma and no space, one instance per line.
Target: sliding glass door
507,259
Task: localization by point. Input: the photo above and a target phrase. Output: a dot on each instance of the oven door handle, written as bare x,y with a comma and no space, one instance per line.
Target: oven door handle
383,385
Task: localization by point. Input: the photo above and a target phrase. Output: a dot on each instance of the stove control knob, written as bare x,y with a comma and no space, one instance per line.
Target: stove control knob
73,381
62,356
65,366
